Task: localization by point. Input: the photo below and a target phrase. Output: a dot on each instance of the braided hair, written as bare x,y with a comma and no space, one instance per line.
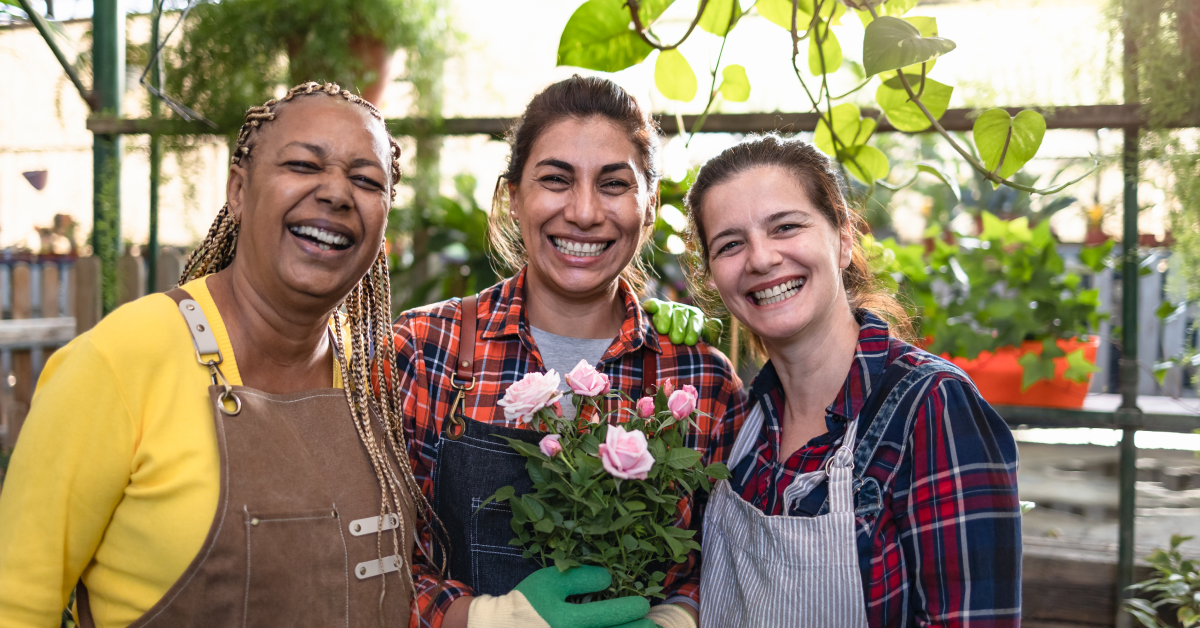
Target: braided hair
367,314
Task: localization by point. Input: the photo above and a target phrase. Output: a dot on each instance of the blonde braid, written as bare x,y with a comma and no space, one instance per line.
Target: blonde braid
368,314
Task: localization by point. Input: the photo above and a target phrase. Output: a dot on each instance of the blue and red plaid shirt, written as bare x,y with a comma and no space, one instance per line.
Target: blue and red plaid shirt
945,550
427,340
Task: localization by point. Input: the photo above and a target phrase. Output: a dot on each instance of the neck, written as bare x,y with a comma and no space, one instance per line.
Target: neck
597,315
281,344
812,365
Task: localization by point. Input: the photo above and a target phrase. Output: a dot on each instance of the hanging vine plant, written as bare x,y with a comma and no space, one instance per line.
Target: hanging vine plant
899,53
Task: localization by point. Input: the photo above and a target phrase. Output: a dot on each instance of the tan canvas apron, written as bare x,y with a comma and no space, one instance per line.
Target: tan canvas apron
294,538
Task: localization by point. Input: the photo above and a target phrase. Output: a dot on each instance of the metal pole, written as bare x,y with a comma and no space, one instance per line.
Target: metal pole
1128,416
108,63
156,78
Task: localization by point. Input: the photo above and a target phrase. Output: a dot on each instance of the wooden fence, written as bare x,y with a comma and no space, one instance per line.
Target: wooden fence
45,302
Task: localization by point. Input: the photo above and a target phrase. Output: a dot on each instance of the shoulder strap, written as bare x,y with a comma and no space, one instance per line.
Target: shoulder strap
464,366
649,371
203,338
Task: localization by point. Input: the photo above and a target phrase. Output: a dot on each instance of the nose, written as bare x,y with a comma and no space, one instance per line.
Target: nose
761,256
336,190
584,209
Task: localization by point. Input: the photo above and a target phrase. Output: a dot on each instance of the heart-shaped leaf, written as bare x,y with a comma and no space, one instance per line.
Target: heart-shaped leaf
891,43
718,16
674,77
944,176
598,37
824,51
780,12
902,112
867,163
1006,141
891,7
850,127
735,85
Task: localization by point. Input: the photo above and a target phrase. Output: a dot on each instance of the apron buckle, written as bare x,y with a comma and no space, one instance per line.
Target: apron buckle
455,425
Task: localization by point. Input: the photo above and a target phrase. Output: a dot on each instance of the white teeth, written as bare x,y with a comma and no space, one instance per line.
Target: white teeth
325,237
579,249
783,291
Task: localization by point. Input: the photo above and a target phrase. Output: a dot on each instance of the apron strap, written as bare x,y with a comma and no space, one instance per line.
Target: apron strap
463,380
649,371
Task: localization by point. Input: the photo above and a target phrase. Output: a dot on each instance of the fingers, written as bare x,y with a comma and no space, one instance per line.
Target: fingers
695,326
585,579
641,623
651,305
623,611
678,325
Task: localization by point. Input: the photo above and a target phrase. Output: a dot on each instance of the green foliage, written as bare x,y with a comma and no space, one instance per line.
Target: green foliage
891,43
719,16
1005,143
674,76
1175,590
903,113
579,514
598,37
455,245
735,85
1000,290
236,54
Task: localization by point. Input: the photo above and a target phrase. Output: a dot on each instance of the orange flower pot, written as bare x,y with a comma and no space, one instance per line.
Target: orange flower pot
998,376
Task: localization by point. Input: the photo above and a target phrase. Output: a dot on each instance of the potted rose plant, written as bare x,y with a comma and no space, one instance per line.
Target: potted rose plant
1002,307
607,484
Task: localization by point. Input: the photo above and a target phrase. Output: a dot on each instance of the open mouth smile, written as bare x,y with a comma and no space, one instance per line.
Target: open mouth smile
579,249
782,292
322,238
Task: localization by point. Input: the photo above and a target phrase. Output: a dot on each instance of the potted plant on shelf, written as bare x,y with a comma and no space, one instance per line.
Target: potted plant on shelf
1003,308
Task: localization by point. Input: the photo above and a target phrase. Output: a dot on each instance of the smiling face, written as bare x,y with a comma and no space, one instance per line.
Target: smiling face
313,199
776,260
582,204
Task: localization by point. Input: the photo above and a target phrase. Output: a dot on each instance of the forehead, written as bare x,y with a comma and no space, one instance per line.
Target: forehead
753,196
328,121
584,143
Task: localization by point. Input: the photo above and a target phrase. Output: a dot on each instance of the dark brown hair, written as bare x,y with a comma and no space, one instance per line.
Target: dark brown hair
822,183
578,98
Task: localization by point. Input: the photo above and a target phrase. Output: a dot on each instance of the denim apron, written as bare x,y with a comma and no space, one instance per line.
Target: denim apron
473,462
800,572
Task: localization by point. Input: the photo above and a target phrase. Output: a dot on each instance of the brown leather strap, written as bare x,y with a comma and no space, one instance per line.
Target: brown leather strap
178,295
83,609
649,371
464,368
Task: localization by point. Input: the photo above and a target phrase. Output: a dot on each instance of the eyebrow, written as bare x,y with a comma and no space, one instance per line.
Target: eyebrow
320,151
562,165
770,219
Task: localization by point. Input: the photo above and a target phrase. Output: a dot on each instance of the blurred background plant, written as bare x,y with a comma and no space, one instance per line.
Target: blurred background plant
1174,592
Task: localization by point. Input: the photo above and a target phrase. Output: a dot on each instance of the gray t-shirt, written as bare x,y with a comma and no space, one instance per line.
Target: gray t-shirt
562,353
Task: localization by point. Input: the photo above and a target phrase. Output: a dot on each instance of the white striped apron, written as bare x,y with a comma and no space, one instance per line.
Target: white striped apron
783,571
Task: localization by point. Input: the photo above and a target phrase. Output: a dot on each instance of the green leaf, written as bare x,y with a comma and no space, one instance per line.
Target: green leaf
825,56
937,171
1165,309
545,525
674,77
598,37
682,457
891,43
735,85
851,128
1015,140
1096,257
718,16
780,12
651,9
1050,349
892,7
867,163
629,542
903,113
1036,368
500,495
717,471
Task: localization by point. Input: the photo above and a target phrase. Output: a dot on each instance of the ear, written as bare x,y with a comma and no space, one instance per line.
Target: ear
847,247
513,202
651,210
235,189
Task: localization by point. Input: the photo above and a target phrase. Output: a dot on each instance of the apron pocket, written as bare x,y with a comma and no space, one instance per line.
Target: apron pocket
491,529
306,550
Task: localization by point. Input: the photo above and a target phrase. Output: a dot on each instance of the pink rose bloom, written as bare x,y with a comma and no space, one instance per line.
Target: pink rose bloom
668,388
681,403
645,407
625,455
691,390
587,381
550,445
534,392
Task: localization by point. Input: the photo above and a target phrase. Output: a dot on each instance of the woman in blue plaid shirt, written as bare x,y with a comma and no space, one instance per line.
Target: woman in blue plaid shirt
872,485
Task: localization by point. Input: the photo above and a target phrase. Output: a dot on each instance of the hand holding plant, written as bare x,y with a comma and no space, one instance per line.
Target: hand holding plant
606,493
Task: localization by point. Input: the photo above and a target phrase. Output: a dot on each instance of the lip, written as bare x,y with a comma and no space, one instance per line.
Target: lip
579,260
772,283
311,248
753,302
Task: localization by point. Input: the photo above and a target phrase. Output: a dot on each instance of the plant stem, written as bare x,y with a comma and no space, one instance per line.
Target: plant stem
644,32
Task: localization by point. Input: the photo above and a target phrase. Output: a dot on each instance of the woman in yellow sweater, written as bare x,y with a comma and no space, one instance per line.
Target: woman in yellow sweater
215,456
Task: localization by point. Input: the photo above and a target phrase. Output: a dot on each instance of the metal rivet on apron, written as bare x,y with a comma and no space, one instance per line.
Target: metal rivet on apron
358,527
199,327
191,307
254,521
362,571
649,392
465,363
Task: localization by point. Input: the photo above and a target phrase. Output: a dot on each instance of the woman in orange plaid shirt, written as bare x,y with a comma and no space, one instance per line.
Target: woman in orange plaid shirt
581,191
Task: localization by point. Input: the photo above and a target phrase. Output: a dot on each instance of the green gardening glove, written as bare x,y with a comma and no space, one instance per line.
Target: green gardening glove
682,324
540,601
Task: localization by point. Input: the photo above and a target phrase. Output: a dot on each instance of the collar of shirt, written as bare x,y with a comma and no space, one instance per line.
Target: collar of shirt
510,320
